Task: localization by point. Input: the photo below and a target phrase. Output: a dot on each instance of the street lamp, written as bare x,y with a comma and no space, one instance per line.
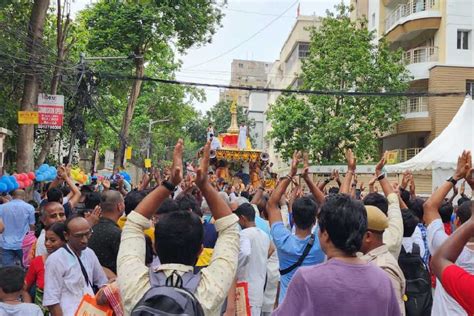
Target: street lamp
150,124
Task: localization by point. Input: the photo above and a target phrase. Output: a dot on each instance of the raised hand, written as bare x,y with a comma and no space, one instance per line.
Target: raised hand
202,171
106,184
381,164
405,179
362,187
294,163
176,175
470,173
94,216
463,166
351,160
305,166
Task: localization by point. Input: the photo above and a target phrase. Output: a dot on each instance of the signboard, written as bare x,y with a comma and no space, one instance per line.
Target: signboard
147,163
128,153
392,157
109,159
51,111
28,117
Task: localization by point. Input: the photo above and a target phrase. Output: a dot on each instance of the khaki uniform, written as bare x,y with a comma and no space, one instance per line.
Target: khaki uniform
381,257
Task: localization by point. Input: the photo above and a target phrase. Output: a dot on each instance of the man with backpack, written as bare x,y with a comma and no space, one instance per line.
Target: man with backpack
170,286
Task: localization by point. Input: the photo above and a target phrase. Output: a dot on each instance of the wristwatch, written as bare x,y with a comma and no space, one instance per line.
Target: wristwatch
452,180
168,185
382,176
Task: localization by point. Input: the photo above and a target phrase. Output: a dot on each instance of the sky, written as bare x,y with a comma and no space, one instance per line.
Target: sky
241,29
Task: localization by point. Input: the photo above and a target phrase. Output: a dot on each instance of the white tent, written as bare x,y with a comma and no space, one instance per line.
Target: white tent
442,153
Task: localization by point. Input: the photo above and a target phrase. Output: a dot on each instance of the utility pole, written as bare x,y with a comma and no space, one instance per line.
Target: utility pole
82,70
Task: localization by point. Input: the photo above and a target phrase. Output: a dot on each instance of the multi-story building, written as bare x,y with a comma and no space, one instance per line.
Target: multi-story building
246,73
286,70
437,43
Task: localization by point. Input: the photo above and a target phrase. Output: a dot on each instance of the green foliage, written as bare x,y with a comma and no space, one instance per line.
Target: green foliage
343,57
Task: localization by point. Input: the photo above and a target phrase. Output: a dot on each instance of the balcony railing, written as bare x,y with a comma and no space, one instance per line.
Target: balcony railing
408,8
421,55
414,105
407,153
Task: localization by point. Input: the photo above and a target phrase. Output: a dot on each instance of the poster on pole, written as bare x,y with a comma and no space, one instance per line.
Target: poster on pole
109,159
51,111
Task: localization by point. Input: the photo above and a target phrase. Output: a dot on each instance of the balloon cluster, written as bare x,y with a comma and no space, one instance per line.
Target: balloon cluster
16,181
46,173
78,175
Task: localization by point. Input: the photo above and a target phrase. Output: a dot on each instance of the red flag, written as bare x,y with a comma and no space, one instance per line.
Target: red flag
298,11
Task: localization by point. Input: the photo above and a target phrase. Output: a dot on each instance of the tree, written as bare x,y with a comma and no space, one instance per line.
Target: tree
343,57
145,29
63,29
25,162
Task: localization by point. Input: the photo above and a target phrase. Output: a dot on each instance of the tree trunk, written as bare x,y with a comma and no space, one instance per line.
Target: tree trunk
128,115
61,32
25,161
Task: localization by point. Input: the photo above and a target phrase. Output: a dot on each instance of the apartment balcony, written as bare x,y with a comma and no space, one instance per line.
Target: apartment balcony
408,20
419,60
406,154
414,107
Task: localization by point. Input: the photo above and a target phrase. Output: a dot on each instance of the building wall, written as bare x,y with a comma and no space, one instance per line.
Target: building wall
284,74
246,73
257,107
443,109
459,16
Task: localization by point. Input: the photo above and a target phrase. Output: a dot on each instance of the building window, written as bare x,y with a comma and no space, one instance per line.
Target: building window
303,50
463,40
470,88
241,65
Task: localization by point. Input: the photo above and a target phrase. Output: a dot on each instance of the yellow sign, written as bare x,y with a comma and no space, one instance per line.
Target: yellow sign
28,117
128,153
392,157
147,163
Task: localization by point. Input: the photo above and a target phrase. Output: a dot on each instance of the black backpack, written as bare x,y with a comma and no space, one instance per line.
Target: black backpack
418,283
173,295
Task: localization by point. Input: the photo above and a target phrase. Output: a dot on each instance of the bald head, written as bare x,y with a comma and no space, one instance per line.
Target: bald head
111,201
19,194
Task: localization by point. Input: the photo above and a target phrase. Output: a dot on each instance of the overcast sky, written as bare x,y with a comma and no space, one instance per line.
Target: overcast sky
243,19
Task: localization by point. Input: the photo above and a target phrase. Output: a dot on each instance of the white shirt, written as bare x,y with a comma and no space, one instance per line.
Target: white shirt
273,277
416,238
40,244
254,272
443,303
64,283
215,143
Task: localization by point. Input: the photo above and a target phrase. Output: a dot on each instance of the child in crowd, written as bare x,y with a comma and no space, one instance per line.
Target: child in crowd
11,288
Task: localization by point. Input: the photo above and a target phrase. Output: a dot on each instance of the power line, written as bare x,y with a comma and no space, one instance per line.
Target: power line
248,39
258,13
289,91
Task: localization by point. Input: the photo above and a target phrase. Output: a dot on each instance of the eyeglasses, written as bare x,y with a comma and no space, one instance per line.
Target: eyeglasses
82,235
57,215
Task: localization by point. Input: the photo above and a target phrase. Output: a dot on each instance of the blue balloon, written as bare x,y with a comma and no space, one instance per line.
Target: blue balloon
44,167
3,187
40,177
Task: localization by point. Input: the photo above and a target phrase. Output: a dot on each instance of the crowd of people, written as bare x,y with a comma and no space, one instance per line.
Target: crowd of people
184,243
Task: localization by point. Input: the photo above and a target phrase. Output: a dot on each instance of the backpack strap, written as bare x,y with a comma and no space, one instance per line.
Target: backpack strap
306,250
188,280
415,249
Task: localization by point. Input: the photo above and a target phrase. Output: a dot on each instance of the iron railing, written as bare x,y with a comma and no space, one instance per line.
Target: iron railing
408,8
